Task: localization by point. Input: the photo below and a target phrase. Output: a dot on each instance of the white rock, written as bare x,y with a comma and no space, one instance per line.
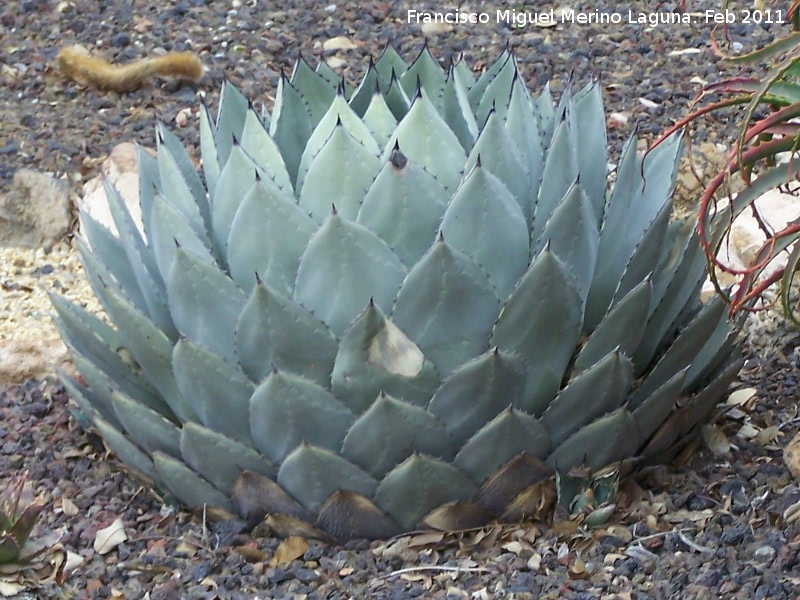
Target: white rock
35,212
122,171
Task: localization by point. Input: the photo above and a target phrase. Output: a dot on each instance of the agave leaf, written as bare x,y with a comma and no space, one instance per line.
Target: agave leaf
477,392
698,408
237,178
208,148
339,114
404,206
684,285
230,120
683,350
500,440
343,267
391,431
325,71
541,322
598,390
559,174
496,96
205,304
418,485
456,110
375,356
125,450
646,255
654,410
287,410
587,112
268,236
112,256
102,386
571,234
219,393
273,331
485,222
425,72
290,126
316,92
170,231
623,228
92,401
368,88
380,120
621,328
339,175
191,489
396,99
389,63
92,338
263,150
478,90
311,475
169,147
148,183
521,125
447,307
600,443
715,352
149,429
498,153
545,115
141,260
463,72
151,350
219,458
425,138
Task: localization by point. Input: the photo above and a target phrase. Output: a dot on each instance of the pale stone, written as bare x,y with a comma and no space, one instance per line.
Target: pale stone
122,171
35,212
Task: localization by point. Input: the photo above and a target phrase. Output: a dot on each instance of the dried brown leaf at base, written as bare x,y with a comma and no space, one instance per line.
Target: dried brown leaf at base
791,457
110,537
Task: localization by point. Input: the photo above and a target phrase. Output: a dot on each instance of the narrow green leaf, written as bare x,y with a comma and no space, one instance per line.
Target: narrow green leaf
621,328
263,150
571,234
600,389
498,153
541,322
290,126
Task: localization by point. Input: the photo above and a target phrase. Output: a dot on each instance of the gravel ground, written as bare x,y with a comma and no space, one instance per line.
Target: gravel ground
713,525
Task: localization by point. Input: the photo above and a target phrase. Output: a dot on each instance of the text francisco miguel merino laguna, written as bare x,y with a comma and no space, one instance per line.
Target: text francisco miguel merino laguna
552,17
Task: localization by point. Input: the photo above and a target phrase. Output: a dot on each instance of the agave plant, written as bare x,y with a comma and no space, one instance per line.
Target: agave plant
407,302
18,515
